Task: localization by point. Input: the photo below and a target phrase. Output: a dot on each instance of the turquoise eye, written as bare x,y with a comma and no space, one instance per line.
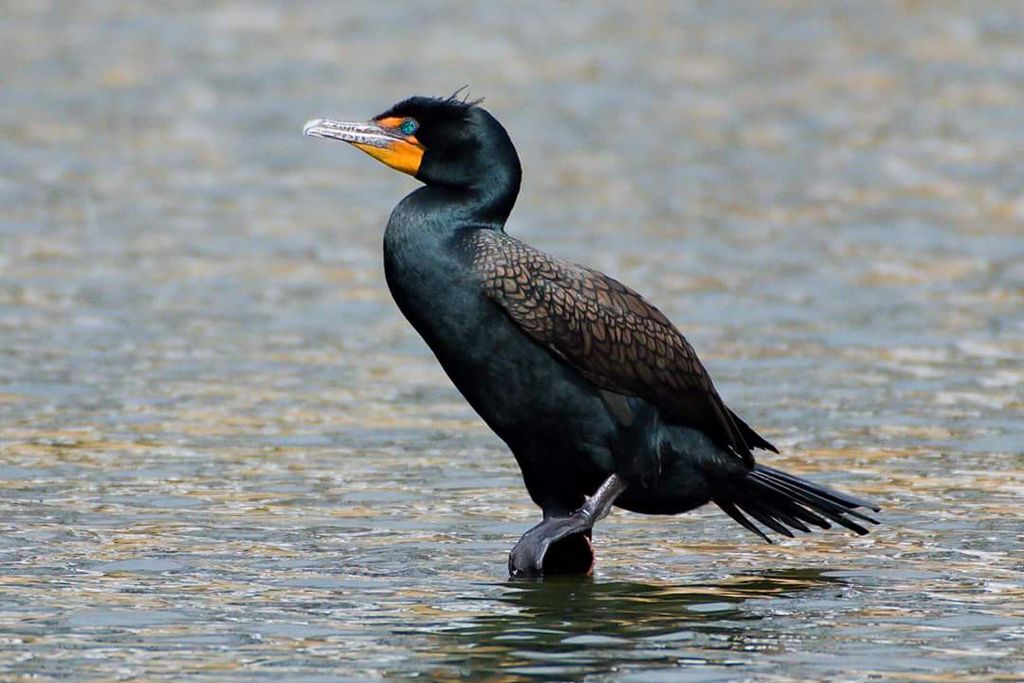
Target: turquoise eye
408,127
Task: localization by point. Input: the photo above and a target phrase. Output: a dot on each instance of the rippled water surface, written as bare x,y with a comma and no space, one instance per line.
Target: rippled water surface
224,455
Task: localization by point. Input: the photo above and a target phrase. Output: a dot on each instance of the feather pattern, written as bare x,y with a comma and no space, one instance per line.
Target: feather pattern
607,332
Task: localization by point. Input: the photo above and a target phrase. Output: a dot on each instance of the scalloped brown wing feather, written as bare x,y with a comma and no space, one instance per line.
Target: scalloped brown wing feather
608,333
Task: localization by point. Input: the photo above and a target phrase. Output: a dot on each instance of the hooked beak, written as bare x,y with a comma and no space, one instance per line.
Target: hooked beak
388,145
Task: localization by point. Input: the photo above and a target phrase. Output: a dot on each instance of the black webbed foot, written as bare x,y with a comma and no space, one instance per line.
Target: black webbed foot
562,537
562,544
572,556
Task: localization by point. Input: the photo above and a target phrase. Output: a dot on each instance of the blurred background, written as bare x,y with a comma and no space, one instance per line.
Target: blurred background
225,456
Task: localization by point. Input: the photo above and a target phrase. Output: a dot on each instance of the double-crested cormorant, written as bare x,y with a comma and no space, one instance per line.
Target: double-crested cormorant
600,398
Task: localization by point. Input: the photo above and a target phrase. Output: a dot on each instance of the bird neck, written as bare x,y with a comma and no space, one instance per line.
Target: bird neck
491,198
486,202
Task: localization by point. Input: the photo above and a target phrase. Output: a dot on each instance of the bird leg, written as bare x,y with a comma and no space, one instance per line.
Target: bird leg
527,557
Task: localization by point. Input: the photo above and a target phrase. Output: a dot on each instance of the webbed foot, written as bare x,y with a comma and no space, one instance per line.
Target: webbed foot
561,545
558,545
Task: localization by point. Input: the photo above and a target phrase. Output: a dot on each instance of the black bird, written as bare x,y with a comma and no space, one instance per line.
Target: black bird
600,398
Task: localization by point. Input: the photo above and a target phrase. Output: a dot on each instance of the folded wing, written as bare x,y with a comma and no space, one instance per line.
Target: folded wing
608,333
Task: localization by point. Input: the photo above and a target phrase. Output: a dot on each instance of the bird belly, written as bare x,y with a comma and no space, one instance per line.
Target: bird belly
552,419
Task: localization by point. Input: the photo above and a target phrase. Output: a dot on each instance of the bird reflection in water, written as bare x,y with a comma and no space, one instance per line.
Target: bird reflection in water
566,627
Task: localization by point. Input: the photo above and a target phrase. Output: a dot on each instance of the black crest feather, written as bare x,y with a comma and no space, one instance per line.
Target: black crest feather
420,106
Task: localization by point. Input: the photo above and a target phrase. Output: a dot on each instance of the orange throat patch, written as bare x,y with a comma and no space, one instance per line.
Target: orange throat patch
403,154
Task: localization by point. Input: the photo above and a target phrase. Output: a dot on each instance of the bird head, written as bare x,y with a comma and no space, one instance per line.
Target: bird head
450,142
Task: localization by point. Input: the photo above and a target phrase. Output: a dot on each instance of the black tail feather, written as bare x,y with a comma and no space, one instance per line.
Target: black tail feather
812,498
769,518
782,502
777,510
731,510
753,439
825,491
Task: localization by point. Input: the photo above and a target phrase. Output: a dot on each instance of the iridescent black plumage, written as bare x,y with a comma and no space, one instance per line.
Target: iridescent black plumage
592,388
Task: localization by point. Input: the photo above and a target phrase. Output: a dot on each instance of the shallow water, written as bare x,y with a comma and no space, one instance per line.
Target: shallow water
224,455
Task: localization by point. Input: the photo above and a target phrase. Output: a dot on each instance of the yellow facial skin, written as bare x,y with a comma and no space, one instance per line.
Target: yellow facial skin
405,154
381,139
